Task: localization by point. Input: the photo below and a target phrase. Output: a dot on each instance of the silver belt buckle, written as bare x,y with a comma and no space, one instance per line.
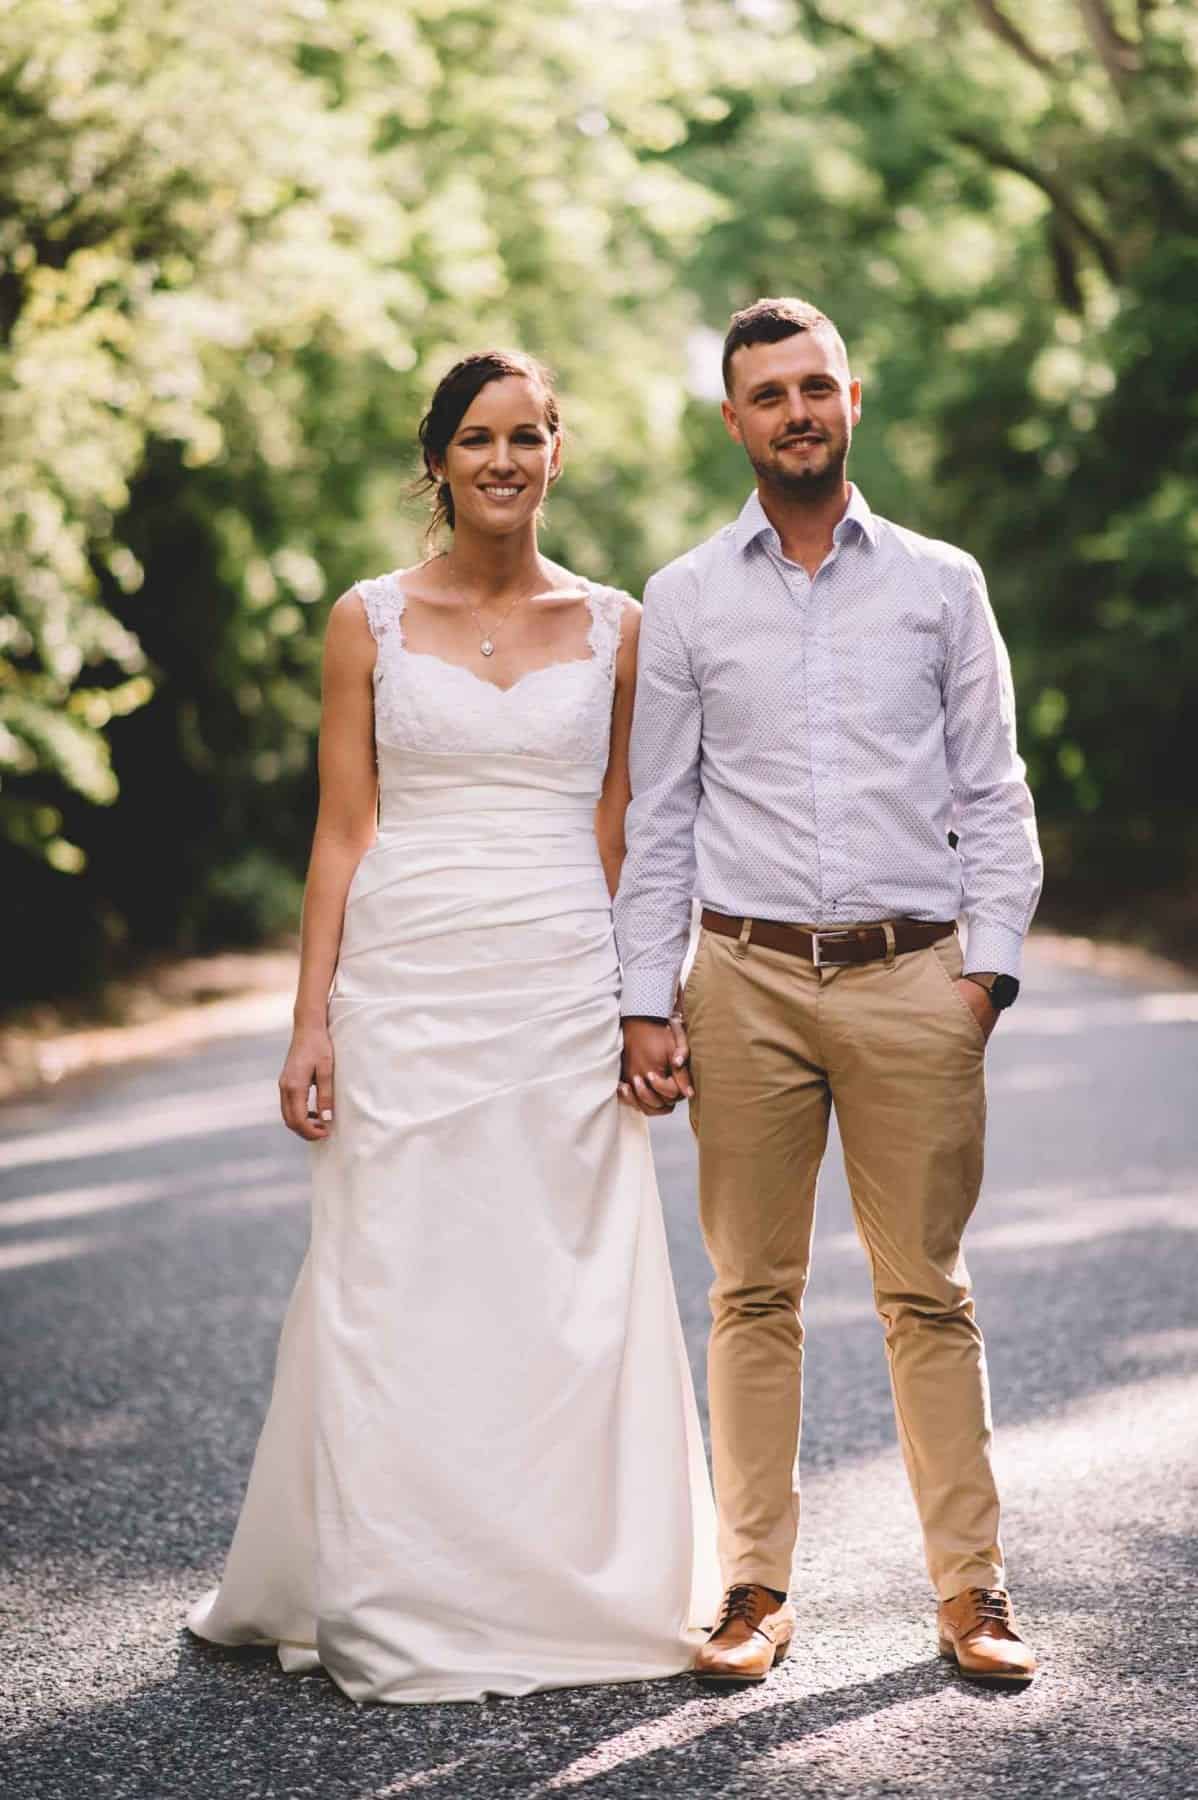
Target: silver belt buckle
817,957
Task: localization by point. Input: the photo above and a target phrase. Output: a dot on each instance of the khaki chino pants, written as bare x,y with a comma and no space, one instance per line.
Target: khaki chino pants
775,1044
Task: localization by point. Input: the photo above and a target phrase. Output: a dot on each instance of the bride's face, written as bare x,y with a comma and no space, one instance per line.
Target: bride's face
502,457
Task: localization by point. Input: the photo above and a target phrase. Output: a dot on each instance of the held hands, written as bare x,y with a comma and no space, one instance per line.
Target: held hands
654,1072
309,1065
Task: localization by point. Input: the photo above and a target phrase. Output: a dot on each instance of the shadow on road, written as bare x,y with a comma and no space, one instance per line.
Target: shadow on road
151,1225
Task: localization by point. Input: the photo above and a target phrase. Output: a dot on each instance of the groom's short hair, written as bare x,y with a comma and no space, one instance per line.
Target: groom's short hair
768,322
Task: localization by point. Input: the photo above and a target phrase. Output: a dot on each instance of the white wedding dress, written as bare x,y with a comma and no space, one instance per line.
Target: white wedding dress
481,1470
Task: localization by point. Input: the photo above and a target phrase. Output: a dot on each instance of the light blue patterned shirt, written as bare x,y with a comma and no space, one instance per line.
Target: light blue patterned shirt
802,748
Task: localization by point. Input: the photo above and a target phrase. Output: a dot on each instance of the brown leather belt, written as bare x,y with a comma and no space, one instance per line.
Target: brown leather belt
860,944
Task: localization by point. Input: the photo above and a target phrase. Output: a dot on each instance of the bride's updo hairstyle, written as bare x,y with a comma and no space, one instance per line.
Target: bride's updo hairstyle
455,394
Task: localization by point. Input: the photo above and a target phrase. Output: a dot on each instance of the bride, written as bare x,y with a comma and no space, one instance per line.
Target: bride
481,1470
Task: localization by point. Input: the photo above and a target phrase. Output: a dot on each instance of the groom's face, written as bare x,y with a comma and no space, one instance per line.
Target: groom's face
793,406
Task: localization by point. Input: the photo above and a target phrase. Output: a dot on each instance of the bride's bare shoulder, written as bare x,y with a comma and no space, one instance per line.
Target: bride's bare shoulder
347,619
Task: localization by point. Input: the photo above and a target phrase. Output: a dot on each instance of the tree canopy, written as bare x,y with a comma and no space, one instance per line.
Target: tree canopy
237,247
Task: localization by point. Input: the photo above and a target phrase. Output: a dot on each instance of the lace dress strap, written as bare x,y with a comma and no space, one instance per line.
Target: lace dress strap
384,600
607,622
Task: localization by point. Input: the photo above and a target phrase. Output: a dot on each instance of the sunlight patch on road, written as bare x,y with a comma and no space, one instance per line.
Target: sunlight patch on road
1058,1216
889,1744
694,1719
1103,1013
1168,1009
1155,1346
877,1745
46,1250
253,1185
107,1196
116,1428
239,1016
411,1784
136,1655
1087,1219
265,1197
974,1727
206,1112
1072,1480
1035,1078
46,1209
818,1311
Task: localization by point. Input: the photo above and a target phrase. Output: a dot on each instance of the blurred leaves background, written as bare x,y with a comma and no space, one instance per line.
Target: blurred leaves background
239,245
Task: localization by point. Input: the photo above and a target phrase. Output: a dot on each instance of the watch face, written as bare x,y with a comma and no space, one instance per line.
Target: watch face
1004,991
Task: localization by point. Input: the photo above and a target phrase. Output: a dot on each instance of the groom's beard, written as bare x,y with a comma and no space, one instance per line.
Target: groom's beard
804,484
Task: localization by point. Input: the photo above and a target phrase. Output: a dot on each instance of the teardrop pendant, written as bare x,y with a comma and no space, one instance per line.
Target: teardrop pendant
487,647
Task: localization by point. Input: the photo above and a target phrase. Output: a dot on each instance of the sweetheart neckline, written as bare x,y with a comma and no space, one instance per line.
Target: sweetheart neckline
565,662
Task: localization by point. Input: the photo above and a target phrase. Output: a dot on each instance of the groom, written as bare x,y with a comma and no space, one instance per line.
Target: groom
823,696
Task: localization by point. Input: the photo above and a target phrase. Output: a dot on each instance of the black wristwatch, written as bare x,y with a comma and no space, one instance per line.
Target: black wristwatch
1002,989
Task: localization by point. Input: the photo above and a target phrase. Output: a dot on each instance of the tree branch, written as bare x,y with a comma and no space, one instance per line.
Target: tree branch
1064,264
996,20
1002,158
1118,56
815,21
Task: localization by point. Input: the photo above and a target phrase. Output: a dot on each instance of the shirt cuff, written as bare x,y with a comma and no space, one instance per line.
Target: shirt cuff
993,949
649,991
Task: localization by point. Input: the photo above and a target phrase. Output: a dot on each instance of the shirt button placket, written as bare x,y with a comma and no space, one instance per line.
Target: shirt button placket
822,712
798,583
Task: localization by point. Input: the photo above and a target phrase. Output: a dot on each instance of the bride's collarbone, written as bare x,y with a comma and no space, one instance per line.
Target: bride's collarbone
556,630
492,672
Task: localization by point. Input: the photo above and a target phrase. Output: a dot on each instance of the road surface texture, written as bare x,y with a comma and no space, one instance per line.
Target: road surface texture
152,1220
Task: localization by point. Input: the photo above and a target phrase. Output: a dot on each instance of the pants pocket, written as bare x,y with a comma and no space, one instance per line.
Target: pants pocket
948,960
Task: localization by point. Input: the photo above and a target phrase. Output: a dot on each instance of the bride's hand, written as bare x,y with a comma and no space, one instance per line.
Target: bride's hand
309,1064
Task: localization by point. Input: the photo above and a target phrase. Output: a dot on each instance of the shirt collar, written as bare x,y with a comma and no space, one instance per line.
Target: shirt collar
857,519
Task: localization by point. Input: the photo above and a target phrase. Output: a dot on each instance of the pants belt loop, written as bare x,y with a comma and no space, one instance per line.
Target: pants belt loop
888,934
741,947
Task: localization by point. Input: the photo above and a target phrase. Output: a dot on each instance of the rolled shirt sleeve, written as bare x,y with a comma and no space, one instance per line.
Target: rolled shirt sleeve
993,814
653,902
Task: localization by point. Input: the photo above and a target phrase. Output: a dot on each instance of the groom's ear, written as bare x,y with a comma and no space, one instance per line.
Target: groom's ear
731,422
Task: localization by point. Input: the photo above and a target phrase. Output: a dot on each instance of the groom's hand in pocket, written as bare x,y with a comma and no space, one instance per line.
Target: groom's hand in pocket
654,1073
980,1005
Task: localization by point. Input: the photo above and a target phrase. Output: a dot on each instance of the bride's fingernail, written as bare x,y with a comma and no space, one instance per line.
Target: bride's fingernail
327,1117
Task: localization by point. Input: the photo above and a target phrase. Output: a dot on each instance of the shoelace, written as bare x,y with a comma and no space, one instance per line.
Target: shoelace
739,1603
993,1605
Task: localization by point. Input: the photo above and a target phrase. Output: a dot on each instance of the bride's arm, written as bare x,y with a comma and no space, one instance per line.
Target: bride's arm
617,785
345,828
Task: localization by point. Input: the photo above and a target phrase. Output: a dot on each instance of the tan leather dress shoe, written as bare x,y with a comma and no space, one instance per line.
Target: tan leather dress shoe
977,1629
752,1633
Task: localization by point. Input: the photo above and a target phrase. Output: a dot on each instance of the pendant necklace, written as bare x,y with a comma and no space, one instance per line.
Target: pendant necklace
487,646
487,636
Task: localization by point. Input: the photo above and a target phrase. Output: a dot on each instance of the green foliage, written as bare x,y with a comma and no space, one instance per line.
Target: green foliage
238,245
999,205
244,901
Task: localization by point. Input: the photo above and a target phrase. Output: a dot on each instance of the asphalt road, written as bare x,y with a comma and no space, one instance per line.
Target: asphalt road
151,1223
